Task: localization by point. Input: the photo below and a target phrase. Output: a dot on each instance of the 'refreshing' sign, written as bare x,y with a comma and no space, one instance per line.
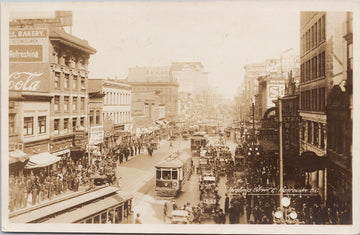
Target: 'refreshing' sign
29,77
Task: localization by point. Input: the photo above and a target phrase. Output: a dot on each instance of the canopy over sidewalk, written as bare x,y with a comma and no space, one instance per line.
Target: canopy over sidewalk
41,160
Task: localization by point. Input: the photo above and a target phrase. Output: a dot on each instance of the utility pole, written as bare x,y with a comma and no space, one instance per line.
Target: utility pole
253,119
280,154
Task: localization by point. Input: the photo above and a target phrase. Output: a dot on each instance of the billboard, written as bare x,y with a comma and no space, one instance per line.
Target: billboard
97,134
29,45
273,92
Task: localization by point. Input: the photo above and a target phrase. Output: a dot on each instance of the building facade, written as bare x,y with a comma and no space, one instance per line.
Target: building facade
116,105
154,87
325,36
339,125
52,81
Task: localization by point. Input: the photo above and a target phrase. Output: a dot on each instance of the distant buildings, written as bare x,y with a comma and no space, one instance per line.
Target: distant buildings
155,93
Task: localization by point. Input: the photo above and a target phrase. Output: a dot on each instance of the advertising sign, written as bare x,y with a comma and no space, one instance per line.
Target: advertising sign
26,53
273,92
29,77
97,135
29,45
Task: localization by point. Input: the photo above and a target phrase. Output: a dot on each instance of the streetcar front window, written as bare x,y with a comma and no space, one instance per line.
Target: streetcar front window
174,174
166,175
158,174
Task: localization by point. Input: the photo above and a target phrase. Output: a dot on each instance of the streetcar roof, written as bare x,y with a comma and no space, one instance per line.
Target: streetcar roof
174,160
90,209
63,205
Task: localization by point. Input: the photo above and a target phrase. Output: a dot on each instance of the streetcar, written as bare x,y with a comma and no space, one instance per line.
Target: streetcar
101,205
198,140
172,173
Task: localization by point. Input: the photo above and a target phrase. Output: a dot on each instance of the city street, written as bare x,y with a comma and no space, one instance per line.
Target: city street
138,176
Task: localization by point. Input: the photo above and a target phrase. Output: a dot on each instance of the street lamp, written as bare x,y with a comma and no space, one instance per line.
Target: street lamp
285,214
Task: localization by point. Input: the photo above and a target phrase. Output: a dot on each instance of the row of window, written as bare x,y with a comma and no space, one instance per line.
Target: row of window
65,82
118,117
313,100
313,36
314,133
162,90
29,125
117,98
313,68
67,125
336,136
65,100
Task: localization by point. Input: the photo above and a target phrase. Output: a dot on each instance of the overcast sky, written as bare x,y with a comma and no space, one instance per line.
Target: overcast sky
223,36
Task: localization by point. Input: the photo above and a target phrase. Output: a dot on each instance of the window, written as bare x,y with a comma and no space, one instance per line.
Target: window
66,125
42,124
75,81
12,124
98,117
74,104
66,82
82,104
322,69
83,86
28,126
57,103
322,136
316,133
91,117
56,126
66,103
82,122
74,124
309,138
323,27
57,80
315,34
174,173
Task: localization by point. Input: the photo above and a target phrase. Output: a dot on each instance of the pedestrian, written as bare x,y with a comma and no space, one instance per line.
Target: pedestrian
137,220
170,145
232,215
222,217
226,205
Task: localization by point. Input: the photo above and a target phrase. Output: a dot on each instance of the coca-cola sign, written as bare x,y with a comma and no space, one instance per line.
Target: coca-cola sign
33,77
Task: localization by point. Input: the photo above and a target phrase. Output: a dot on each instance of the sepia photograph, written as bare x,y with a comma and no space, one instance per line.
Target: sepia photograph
179,117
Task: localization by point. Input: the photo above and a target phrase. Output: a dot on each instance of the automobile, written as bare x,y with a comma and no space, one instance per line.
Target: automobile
180,217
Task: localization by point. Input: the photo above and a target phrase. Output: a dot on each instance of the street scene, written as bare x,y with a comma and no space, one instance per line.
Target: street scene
132,124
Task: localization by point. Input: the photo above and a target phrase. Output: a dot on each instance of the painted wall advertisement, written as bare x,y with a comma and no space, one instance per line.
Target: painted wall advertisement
29,77
28,56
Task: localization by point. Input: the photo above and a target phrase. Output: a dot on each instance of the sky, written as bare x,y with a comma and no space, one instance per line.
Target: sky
222,36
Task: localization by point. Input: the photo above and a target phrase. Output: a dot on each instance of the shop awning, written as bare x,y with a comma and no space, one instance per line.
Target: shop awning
308,162
17,156
41,160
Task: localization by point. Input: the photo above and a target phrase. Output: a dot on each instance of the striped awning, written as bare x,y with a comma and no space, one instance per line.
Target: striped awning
41,160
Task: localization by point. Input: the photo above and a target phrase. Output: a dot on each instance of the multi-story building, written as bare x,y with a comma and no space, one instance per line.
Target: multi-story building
325,70
96,118
251,85
154,87
190,77
339,118
56,68
116,104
